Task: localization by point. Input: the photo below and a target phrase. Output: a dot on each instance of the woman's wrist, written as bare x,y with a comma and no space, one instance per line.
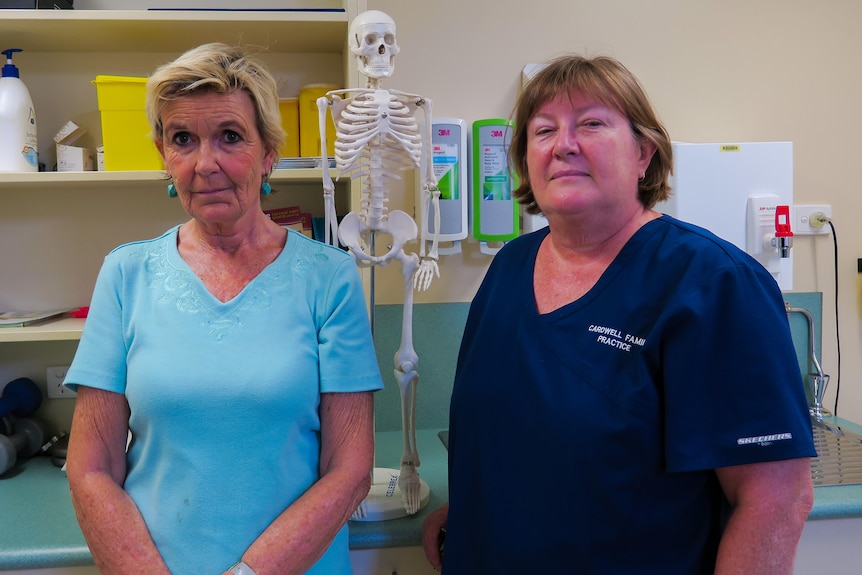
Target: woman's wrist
241,568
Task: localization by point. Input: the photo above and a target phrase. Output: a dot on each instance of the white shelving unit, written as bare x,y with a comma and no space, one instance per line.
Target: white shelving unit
67,329
94,180
55,228
173,30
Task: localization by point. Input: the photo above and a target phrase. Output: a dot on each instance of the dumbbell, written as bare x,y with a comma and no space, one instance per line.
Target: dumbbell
27,441
20,397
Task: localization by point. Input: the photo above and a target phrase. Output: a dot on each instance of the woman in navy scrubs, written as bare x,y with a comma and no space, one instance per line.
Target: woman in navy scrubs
627,397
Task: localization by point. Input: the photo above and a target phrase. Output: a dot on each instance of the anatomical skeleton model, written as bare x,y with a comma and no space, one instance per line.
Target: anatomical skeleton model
377,136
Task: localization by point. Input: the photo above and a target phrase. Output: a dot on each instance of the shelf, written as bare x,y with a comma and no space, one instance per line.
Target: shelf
171,31
104,180
63,50
67,329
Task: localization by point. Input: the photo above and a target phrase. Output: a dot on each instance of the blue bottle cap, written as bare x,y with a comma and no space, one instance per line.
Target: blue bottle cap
10,70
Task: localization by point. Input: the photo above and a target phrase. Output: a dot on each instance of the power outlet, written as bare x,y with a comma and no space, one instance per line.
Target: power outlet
54,377
805,223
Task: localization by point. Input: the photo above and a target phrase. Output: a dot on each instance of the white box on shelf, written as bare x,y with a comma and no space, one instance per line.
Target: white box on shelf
72,158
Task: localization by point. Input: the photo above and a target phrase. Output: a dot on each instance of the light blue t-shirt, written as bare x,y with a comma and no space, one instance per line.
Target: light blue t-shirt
224,397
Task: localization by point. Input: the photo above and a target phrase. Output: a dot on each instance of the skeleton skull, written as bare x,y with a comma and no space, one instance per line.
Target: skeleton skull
372,41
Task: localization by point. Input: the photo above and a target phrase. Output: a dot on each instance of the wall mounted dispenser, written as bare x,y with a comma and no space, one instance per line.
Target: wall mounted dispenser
449,155
495,211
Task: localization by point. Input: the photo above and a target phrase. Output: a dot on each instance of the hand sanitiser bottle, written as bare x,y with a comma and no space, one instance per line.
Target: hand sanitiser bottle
18,144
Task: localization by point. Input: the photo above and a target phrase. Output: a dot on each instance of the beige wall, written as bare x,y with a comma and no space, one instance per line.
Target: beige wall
716,71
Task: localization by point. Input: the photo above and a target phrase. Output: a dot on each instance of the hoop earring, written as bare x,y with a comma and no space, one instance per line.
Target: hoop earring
172,191
265,189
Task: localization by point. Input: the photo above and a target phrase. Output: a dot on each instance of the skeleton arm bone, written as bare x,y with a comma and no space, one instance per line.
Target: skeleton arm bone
428,268
330,218
428,264
334,100
341,94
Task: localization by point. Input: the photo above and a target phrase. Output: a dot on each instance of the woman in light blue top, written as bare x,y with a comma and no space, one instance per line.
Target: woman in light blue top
237,354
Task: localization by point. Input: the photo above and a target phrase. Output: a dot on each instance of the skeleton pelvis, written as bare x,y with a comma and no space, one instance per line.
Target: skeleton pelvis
393,232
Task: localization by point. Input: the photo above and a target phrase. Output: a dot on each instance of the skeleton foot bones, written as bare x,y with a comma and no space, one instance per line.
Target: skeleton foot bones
408,480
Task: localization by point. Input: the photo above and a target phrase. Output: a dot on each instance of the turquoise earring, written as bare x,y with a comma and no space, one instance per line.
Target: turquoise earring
265,189
172,191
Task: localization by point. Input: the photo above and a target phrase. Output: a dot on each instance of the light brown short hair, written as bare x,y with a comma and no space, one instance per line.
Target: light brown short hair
610,82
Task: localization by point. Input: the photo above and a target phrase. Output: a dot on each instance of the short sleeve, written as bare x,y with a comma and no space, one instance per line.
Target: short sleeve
733,389
348,361
100,360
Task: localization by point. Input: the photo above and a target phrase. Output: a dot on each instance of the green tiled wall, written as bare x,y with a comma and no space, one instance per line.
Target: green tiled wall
437,330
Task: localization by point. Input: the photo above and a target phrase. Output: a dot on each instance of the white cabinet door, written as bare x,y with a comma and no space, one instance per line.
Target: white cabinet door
830,546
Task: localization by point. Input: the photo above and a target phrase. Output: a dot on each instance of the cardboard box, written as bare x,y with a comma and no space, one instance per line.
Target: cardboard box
69,133
72,158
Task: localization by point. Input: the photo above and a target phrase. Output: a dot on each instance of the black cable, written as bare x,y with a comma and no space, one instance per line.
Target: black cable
837,331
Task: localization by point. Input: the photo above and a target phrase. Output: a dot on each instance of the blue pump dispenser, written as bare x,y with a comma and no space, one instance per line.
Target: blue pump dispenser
19,149
10,70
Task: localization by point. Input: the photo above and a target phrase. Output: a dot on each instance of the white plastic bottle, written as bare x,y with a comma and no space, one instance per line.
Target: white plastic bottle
19,149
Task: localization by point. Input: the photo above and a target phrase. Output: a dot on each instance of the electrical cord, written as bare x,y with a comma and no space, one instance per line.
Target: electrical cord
837,331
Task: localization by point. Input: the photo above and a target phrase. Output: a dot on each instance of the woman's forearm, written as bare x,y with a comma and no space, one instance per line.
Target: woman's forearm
754,544
770,503
303,532
96,466
113,527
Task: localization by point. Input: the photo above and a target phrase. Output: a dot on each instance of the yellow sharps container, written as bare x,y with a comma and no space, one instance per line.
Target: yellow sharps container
309,124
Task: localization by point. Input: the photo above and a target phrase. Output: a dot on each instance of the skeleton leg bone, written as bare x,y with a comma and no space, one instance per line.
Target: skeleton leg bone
406,362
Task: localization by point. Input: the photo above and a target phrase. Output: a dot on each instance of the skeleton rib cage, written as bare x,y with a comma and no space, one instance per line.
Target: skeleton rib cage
377,136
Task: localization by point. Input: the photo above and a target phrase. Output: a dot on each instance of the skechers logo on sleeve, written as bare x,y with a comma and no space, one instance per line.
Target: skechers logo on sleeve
764,440
615,338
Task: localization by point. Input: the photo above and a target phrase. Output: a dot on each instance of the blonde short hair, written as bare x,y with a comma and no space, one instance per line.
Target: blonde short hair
223,69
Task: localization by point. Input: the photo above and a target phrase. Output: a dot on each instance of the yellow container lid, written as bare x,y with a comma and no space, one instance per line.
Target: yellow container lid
121,92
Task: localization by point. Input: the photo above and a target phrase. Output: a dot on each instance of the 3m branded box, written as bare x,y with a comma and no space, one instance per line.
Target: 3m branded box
126,134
